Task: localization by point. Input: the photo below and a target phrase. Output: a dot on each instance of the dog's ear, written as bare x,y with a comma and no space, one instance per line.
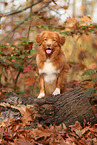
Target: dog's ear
38,39
61,40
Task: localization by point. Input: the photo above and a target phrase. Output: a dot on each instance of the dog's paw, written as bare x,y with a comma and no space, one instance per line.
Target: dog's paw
41,95
56,92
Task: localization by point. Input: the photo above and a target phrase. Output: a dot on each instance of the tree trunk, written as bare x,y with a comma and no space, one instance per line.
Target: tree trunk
65,108
74,8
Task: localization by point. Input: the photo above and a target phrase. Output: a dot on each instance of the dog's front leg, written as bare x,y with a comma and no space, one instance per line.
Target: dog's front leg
61,82
41,84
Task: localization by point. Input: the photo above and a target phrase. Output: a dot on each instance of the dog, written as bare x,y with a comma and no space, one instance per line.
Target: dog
51,62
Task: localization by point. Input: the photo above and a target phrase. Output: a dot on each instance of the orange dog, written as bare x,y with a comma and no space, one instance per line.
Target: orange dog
51,63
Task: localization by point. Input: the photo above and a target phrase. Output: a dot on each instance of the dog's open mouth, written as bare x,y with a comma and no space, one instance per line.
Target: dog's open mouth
48,51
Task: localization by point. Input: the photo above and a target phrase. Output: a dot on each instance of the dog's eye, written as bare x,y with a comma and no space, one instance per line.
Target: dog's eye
54,40
45,39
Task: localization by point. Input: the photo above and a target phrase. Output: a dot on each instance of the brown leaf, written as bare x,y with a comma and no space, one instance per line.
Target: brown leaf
23,141
84,130
76,126
71,20
93,129
1,15
27,115
86,18
40,132
65,7
29,46
30,81
83,8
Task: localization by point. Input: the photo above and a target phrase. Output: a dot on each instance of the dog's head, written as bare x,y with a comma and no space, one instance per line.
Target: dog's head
50,41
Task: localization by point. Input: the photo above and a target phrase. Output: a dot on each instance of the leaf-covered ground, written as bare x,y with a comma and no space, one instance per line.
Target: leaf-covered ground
20,131
13,132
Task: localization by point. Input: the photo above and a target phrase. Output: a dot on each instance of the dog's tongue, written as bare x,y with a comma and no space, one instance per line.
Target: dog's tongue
48,51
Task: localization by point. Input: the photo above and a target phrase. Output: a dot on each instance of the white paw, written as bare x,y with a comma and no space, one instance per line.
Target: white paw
41,95
56,92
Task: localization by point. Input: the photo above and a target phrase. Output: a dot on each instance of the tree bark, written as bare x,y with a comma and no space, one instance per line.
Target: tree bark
65,108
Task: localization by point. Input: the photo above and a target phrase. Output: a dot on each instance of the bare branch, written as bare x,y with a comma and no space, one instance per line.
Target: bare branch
23,22
16,12
29,24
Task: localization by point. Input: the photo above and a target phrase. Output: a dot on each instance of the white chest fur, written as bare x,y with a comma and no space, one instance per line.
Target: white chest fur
49,71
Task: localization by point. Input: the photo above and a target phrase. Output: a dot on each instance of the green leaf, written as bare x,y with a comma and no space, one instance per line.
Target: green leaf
46,27
25,40
3,46
20,44
66,32
88,72
29,54
18,21
38,16
30,18
12,58
18,29
39,26
32,51
91,30
43,26
19,92
22,56
16,64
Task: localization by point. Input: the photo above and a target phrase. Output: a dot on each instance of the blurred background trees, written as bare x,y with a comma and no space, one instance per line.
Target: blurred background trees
20,21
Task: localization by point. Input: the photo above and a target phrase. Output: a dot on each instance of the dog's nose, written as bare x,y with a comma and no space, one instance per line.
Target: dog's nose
48,45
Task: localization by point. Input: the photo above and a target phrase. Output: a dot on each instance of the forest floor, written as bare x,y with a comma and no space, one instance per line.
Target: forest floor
18,128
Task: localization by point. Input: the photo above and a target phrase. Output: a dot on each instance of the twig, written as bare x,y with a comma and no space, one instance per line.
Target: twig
16,12
17,78
54,11
29,24
15,28
22,23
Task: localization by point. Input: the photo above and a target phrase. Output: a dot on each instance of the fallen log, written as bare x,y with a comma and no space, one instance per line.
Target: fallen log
65,108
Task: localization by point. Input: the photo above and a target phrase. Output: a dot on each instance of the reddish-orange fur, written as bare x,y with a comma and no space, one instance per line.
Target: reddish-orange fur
51,41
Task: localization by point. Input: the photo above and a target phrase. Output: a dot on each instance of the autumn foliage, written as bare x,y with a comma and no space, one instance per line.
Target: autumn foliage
18,71
15,132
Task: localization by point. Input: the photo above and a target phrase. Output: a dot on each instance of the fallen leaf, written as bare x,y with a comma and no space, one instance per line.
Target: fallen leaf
27,115
41,132
30,81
